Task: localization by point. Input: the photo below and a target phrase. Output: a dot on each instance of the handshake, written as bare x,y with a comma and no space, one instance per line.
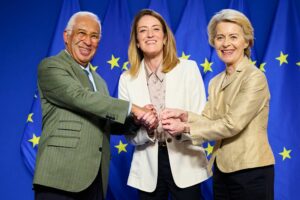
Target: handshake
173,121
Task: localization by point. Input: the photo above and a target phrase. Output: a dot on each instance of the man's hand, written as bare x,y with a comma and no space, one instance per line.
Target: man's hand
146,116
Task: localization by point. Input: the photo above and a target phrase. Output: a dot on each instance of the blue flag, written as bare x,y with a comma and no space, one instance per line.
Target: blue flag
242,6
110,61
161,7
282,68
192,43
191,37
33,128
111,56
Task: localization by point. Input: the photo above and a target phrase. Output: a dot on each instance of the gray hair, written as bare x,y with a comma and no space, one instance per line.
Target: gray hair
71,22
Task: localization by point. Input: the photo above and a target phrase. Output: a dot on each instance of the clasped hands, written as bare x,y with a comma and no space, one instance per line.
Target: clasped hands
173,121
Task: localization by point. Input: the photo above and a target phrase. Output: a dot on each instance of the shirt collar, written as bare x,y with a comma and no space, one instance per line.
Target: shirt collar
86,68
158,73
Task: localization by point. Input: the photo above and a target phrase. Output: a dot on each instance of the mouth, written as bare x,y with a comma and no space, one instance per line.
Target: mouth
85,51
227,52
150,41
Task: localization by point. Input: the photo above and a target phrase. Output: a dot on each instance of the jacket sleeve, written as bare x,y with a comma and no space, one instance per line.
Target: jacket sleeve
141,136
196,91
60,87
250,100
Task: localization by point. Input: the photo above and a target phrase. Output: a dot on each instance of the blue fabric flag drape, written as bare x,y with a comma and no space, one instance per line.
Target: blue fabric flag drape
162,8
111,56
242,6
281,65
111,60
33,128
192,43
282,68
191,37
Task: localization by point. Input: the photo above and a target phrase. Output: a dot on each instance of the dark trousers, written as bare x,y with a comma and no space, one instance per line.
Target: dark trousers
248,184
93,192
166,184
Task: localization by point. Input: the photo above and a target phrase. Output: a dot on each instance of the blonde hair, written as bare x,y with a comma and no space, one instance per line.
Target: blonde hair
233,16
135,55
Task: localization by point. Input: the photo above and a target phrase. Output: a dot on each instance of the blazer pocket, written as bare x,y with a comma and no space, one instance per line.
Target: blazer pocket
60,141
69,125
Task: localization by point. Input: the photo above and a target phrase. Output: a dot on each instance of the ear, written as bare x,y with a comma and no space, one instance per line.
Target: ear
246,44
65,35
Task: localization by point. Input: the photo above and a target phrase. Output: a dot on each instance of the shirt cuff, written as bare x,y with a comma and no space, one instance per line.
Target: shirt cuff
129,108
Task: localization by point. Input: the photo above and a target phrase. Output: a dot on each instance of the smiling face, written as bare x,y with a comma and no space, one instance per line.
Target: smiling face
82,41
150,36
230,43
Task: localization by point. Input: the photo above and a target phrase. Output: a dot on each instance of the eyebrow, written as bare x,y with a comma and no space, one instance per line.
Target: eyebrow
229,34
151,26
82,29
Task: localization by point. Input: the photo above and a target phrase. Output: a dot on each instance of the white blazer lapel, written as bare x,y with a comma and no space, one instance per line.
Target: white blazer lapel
140,93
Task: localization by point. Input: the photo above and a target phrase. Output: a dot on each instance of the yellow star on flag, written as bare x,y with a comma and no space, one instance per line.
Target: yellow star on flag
285,153
209,149
125,66
121,147
183,56
298,63
94,68
282,58
34,140
253,61
207,66
262,67
29,117
113,62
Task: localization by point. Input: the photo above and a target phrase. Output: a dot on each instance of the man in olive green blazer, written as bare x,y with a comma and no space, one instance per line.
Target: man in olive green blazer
77,117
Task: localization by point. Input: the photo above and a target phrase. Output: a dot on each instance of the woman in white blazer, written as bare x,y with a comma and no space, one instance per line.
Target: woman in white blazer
162,164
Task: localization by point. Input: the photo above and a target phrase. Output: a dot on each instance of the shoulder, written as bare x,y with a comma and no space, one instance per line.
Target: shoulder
58,60
218,76
125,76
186,66
187,63
252,72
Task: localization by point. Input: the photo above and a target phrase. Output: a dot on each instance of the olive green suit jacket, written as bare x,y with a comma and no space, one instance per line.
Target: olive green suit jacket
76,125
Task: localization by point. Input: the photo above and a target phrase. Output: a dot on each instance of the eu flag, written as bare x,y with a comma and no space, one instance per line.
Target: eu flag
33,128
282,68
161,7
242,6
110,61
192,43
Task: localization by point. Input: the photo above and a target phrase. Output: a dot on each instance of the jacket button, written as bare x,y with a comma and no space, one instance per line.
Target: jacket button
100,148
169,140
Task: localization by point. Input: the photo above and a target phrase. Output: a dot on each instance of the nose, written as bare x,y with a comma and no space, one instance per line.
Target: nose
149,33
87,40
226,42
